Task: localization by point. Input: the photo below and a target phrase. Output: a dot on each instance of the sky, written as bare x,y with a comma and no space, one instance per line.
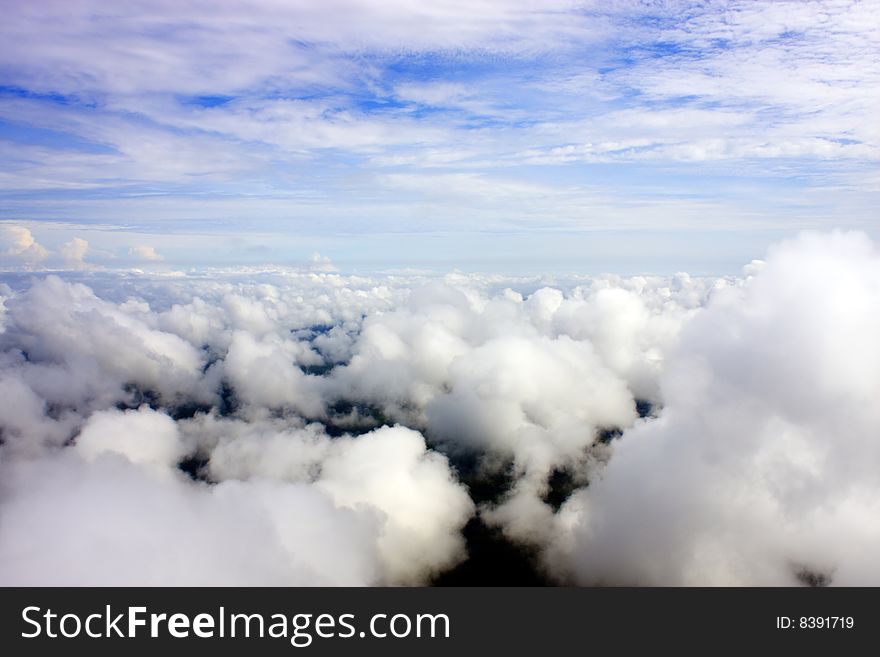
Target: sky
518,137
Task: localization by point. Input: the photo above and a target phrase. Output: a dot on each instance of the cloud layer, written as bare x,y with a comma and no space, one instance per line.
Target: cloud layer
314,428
221,131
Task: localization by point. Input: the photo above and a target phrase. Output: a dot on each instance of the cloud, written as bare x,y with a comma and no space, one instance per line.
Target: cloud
260,40
111,522
145,253
19,245
305,427
73,252
317,262
380,502
83,351
19,248
388,470
142,436
757,471
70,443
527,385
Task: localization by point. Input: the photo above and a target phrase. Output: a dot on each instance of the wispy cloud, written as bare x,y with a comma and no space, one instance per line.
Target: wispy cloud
261,100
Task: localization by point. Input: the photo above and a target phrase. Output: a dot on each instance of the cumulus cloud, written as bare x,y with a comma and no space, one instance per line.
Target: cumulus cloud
266,373
528,383
72,359
425,508
19,248
317,262
142,436
381,503
73,253
71,522
760,468
144,253
80,349
18,244
313,428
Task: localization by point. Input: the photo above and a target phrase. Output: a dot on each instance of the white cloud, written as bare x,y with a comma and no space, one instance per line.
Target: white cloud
113,523
88,349
258,101
142,436
758,470
265,373
145,253
426,508
73,253
19,245
317,262
328,422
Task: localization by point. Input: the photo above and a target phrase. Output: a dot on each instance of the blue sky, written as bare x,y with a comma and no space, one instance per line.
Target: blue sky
510,136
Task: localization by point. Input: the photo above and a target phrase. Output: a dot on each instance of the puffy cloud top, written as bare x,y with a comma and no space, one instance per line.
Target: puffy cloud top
315,428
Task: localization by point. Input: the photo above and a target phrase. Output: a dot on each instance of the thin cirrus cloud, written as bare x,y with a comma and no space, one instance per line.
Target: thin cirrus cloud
278,118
